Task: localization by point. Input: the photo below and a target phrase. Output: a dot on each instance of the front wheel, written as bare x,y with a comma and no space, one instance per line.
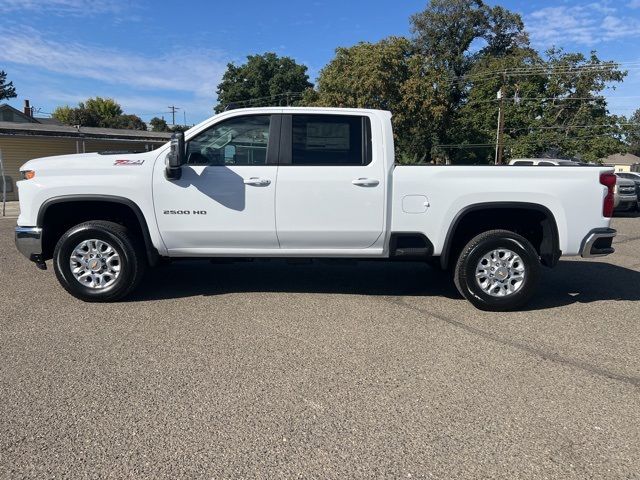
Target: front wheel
98,261
498,270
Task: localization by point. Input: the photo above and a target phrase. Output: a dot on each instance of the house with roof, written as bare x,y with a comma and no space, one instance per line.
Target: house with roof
623,162
23,137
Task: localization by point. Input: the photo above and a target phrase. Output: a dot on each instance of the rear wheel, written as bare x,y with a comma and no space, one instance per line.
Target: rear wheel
498,270
98,261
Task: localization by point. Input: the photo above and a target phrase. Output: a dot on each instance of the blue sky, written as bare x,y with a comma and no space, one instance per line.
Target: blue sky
149,55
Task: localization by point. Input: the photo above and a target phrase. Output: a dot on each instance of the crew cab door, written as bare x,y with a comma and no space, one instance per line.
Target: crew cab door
225,197
330,192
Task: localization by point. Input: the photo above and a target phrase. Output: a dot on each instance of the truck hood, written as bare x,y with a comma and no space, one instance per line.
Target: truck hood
87,161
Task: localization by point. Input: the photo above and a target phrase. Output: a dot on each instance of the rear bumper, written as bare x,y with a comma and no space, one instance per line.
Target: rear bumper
597,243
29,242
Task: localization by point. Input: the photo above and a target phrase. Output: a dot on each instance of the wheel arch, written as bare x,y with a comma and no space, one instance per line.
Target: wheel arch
134,217
548,245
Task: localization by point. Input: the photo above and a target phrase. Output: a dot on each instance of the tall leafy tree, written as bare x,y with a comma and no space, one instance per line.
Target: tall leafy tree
448,35
386,75
446,29
573,119
263,80
379,75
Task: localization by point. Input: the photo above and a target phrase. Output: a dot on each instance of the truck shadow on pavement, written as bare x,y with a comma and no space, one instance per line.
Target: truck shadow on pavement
570,282
574,281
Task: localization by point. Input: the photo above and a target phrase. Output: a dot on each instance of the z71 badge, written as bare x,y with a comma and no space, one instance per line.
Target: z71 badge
133,163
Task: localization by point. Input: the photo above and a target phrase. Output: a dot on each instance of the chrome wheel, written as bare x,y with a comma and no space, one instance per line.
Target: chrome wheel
500,273
95,264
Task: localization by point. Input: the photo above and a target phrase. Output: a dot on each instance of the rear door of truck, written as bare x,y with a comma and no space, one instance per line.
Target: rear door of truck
330,189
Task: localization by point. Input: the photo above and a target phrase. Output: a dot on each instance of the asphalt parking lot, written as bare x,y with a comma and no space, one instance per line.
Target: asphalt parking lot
272,370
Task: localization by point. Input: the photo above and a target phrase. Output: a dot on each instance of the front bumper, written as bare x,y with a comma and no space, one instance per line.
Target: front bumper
624,202
597,243
29,243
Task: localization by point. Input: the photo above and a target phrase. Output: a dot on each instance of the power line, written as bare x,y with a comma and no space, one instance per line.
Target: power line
560,127
287,95
539,71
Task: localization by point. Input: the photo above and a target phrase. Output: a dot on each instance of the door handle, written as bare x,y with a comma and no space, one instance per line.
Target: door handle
257,182
365,182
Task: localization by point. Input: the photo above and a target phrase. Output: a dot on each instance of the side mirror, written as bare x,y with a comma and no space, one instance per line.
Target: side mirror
176,157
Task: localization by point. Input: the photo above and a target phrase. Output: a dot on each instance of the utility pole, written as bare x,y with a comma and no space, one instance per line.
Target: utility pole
173,113
500,132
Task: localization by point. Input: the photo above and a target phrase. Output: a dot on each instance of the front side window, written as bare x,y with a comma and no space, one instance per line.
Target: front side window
329,140
237,141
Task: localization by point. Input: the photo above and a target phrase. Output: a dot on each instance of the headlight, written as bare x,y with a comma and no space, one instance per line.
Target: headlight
27,174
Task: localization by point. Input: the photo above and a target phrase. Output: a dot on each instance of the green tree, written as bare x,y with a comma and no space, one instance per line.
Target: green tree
158,125
128,122
552,107
385,76
102,108
7,90
444,36
98,112
262,81
573,119
503,32
633,133
76,116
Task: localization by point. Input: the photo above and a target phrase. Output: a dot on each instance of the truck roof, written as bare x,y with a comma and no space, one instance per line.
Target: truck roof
342,110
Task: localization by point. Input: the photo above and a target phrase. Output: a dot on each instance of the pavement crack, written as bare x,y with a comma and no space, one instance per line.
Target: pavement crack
545,355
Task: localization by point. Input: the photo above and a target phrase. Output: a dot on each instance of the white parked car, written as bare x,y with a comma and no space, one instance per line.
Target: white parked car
544,162
306,182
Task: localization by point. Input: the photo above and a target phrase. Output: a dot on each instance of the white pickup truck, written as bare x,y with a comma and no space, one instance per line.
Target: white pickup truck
311,183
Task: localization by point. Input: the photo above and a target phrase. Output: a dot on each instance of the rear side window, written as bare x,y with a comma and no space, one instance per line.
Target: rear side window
330,140
522,163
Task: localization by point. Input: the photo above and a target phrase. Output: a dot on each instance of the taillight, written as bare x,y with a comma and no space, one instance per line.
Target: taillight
27,174
609,181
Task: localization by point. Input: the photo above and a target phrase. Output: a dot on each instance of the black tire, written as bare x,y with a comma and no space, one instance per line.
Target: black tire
132,261
472,253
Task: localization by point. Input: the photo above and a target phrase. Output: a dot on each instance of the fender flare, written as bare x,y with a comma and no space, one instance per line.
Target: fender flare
549,251
151,251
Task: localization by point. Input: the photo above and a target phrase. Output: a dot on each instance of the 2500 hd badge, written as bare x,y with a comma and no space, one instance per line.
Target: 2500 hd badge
185,212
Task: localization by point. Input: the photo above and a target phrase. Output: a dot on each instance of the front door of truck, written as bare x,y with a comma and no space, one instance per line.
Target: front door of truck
225,197
330,191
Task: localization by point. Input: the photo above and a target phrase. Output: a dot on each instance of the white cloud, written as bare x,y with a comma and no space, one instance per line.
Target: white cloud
63,7
587,24
634,4
145,106
197,72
